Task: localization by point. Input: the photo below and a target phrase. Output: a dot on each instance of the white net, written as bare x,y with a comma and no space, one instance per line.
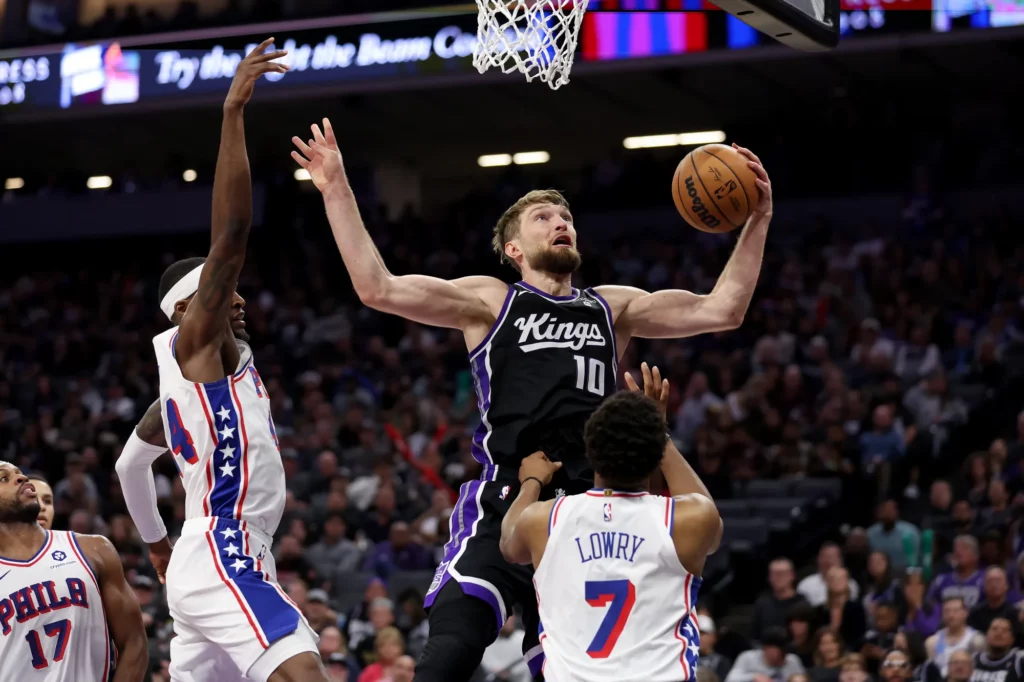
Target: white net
535,37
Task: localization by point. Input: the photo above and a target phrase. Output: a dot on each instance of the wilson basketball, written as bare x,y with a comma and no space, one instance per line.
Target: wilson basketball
714,188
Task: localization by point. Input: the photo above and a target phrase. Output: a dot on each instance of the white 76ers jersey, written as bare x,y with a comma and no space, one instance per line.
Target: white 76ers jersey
615,603
52,627
223,441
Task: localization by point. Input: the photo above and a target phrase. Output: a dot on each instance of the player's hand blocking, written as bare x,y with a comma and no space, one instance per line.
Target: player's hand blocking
655,387
538,466
764,184
250,69
321,157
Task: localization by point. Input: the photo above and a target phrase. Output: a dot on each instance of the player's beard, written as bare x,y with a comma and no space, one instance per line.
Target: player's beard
20,513
555,261
241,335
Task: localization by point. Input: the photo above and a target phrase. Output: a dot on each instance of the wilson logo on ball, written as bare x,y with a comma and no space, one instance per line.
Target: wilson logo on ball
697,206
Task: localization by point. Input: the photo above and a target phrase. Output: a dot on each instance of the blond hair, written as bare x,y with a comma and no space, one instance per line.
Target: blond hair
389,634
507,228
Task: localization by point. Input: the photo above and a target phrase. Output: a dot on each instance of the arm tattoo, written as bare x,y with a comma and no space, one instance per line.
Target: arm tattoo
217,289
151,427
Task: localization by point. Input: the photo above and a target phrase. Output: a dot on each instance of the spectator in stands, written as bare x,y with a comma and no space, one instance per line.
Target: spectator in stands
923,615
853,669
357,621
334,552
965,580
870,341
828,655
769,663
912,644
388,647
411,620
896,667
841,610
339,668
933,407
377,525
918,357
814,588
937,516
959,359
995,603
960,667
292,562
880,639
503,659
899,540
881,585
709,658
693,412
318,610
399,553
771,608
1001,660
954,636
331,641
800,625
998,514
382,615
882,446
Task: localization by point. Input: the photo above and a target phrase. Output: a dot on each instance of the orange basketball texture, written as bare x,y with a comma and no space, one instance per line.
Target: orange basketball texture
713,188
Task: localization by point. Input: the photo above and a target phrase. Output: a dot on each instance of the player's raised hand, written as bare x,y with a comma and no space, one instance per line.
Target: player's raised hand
255,64
538,466
321,157
655,387
764,184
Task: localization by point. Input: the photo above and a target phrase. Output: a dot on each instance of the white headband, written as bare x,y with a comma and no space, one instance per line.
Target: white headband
182,289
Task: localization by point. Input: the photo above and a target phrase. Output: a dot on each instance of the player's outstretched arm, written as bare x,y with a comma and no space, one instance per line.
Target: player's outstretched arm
674,313
524,528
428,300
135,471
205,322
124,617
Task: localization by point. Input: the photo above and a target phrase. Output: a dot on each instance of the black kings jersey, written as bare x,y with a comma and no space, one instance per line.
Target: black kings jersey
543,369
1008,668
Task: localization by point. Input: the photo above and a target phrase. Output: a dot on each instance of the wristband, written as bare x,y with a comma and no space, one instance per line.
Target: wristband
531,478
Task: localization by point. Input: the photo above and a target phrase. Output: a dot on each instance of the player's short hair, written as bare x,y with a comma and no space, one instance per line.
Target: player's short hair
508,225
36,476
625,438
174,272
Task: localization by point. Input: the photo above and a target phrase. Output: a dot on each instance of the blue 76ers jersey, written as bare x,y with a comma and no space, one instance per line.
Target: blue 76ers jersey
223,440
615,603
52,627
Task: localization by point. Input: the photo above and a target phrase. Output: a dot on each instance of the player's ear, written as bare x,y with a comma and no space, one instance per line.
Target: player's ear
181,306
512,250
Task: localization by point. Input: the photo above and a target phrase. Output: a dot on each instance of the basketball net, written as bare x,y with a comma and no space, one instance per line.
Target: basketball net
535,37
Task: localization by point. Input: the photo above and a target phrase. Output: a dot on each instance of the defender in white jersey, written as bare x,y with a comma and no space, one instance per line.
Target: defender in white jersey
63,599
231,618
617,569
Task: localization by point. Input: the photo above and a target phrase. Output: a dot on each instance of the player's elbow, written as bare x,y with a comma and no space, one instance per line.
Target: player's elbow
374,292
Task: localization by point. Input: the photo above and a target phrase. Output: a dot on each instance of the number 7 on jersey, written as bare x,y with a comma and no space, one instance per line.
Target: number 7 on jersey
620,595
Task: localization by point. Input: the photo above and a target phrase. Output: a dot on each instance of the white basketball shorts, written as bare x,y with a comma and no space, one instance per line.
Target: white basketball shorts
232,620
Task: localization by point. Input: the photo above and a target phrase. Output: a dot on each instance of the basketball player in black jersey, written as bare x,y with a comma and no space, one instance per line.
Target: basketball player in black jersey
544,355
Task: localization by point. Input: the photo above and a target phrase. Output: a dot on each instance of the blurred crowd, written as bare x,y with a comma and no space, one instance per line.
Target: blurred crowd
866,356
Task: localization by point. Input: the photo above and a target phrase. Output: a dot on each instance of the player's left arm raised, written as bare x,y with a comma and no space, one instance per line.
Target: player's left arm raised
674,313
124,617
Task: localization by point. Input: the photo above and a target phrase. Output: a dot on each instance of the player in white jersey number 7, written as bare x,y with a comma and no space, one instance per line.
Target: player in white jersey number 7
617,569
63,598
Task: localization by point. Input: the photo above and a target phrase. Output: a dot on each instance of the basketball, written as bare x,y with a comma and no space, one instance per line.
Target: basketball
714,188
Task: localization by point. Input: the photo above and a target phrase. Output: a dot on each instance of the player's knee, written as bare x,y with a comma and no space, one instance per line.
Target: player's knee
304,667
461,628
448,657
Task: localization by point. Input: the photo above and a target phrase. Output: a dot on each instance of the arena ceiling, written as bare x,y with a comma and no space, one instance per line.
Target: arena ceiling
444,128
